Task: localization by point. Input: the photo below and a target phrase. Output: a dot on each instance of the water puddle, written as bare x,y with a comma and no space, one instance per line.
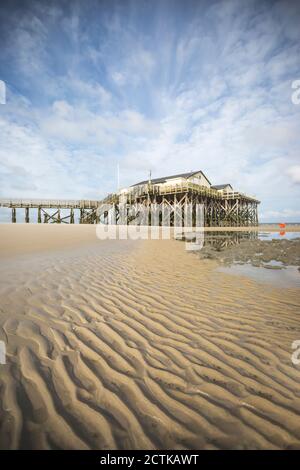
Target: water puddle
255,254
224,239
277,274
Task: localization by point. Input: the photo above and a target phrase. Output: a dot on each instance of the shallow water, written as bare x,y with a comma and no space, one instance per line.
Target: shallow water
223,239
288,276
278,235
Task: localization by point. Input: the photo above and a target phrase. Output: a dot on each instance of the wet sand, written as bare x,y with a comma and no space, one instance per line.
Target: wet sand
140,344
271,254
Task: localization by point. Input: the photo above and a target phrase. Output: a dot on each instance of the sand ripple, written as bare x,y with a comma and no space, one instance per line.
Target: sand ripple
144,346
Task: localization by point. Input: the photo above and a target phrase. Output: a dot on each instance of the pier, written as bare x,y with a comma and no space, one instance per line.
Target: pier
87,210
226,209
223,206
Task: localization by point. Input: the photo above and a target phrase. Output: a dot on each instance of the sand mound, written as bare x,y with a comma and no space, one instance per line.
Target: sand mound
141,345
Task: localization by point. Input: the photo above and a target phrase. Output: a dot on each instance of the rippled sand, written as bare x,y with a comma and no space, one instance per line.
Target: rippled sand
124,344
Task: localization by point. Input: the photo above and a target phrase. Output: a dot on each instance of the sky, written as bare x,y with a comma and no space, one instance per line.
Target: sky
167,86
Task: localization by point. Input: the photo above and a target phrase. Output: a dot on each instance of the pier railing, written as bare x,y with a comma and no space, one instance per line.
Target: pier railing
49,203
187,187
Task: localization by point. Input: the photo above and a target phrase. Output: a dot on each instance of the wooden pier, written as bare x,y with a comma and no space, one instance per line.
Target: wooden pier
87,210
221,208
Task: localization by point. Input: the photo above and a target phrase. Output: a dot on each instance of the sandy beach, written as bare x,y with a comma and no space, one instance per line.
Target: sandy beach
123,344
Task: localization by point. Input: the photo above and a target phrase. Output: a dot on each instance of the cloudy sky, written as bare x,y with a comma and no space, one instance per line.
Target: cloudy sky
170,86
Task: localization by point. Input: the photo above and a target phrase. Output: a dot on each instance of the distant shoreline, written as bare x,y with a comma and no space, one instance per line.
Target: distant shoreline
261,227
271,227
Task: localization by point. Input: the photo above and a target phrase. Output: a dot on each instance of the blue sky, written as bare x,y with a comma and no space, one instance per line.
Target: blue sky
170,86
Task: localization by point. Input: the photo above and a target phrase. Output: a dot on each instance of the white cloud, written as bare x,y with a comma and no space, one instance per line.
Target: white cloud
86,90
294,173
81,125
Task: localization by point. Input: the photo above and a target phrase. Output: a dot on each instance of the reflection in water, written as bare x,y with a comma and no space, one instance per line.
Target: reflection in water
217,240
278,235
258,255
220,240
223,239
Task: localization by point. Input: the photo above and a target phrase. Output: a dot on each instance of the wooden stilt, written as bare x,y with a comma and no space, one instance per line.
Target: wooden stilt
13,215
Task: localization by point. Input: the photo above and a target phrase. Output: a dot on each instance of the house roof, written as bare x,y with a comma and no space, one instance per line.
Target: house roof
163,179
221,186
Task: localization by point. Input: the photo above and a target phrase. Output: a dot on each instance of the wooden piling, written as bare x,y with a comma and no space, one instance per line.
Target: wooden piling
13,215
